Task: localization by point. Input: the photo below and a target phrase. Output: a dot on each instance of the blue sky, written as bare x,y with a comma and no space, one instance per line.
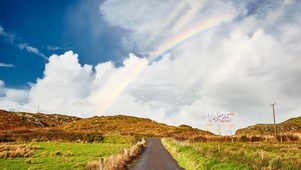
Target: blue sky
52,26
140,58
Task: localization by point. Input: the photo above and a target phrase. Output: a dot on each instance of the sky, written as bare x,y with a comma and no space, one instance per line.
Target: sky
176,62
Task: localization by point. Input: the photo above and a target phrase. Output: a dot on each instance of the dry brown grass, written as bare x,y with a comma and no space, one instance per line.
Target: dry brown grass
68,154
56,153
119,161
133,126
28,160
27,127
25,121
13,151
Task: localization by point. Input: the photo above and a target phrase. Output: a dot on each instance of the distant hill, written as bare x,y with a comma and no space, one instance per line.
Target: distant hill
24,126
17,120
292,125
127,125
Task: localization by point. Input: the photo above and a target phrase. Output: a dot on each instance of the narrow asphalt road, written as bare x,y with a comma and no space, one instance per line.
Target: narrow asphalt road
155,157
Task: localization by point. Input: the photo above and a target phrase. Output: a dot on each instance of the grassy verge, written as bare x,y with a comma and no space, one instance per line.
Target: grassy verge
257,155
188,158
59,155
120,160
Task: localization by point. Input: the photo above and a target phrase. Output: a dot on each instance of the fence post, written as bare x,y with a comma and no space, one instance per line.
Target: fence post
125,152
113,162
101,164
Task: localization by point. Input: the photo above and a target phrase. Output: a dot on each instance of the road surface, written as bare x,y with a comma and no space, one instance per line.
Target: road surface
155,157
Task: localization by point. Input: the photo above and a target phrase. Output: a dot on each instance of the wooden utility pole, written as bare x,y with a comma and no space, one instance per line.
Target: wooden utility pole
275,128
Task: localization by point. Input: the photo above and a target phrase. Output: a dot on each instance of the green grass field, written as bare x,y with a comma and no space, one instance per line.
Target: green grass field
190,159
65,155
240,155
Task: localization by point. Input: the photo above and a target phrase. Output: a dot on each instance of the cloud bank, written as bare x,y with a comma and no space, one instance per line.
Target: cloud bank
241,65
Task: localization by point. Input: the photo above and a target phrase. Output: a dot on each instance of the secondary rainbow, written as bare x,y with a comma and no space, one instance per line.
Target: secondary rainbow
161,50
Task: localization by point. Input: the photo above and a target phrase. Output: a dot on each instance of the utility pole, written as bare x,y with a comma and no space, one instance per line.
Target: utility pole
273,105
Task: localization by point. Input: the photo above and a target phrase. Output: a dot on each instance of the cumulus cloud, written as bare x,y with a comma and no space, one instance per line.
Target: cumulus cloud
12,99
241,65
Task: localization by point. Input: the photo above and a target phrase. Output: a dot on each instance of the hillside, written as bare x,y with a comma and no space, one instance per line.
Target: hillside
42,127
18,120
291,125
129,125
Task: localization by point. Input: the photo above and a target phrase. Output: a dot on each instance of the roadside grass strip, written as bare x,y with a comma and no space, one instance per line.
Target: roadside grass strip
188,158
59,155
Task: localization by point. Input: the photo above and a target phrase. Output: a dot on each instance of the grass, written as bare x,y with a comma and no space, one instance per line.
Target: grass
65,155
257,155
120,160
188,158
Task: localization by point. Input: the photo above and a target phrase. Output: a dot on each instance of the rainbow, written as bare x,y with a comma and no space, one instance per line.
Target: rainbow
161,50
175,41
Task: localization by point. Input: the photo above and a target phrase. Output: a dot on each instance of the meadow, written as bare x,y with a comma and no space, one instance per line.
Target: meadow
59,155
237,155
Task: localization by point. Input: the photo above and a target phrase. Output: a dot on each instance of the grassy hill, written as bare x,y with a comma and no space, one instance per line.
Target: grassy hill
42,127
19,120
292,125
22,126
129,125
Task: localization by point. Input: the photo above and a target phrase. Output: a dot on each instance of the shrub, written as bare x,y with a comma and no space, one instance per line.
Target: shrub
244,138
256,138
293,137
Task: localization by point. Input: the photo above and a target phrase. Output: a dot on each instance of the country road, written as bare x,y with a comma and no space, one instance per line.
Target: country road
155,157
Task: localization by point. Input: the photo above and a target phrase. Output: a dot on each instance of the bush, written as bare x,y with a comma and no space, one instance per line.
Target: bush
244,138
93,138
293,137
256,138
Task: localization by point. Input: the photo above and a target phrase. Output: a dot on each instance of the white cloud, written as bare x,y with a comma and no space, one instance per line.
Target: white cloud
11,38
55,48
242,65
32,50
65,85
6,65
8,37
52,48
1,30
12,99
